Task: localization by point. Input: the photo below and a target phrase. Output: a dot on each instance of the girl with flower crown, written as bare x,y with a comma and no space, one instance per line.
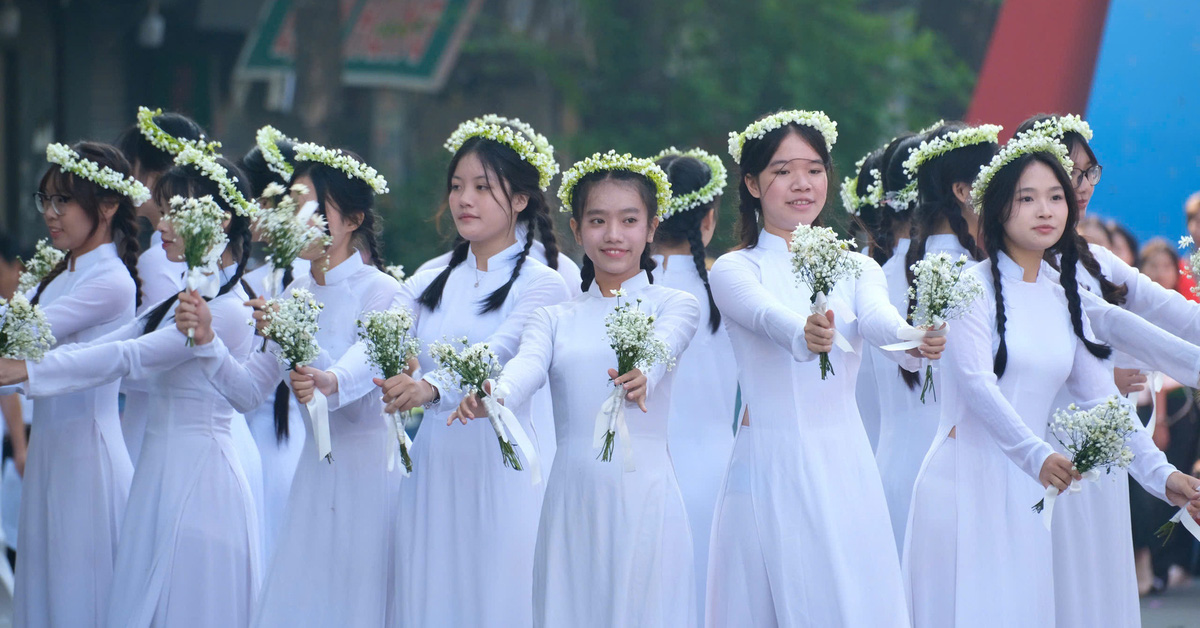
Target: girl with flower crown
332,560
277,425
1091,534
78,471
189,539
800,537
465,522
976,555
943,166
613,545
545,250
700,427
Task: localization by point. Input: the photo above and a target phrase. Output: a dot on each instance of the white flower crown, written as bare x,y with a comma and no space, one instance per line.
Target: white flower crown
336,159
166,142
601,162
851,201
1017,147
514,134
267,139
70,161
938,146
815,119
718,178
1059,126
215,172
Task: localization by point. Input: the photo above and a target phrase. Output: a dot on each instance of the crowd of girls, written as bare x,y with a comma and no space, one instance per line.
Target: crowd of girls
744,488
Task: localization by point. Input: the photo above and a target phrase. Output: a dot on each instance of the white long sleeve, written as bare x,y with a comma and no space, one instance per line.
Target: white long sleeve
676,325
740,295
879,322
1131,334
968,362
528,370
1165,308
87,305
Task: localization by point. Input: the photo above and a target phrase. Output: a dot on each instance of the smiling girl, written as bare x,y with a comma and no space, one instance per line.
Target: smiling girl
800,536
613,546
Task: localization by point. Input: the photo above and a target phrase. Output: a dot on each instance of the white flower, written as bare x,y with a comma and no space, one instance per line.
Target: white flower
397,271
601,162
954,140
528,144
267,139
815,119
44,259
465,366
1193,261
1058,127
199,223
336,159
1017,147
70,161
388,338
292,324
820,259
1097,438
212,170
941,291
166,142
24,330
718,178
631,335
286,231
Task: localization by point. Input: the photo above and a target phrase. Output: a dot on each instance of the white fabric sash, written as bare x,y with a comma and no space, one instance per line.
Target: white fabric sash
1052,494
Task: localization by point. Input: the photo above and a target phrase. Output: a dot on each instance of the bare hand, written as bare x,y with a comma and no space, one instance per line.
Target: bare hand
1058,471
933,343
192,313
306,379
818,332
635,384
471,407
1129,380
402,393
1184,490
12,372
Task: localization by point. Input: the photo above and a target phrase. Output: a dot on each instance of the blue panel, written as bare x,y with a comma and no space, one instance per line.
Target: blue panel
1145,111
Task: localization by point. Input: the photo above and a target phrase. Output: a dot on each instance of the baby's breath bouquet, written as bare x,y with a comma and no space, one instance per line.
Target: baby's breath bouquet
292,324
287,231
24,330
819,260
1096,440
397,271
465,367
1193,262
199,222
631,335
390,345
942,293
44,259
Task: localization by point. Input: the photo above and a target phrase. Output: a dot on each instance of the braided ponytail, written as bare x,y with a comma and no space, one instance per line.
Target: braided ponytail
688,174
431,297
1070,258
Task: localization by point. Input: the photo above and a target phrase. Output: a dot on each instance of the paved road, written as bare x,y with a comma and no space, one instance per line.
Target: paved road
1177,608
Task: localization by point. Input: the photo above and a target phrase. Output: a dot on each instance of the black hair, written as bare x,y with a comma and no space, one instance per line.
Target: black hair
1113,293
894,212
997,207
146,156
756,156
259,173
871,215
688,174
191,182
353,197
8,249
937,202
90,196
515,177
579,197
1118,230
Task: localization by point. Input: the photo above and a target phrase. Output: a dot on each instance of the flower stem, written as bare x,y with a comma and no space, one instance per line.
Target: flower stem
1165,531
606,452
928,387
510,456
405,458
1040,506
826,366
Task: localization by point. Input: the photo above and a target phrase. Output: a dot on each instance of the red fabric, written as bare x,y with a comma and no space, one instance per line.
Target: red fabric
1186,282
1040,60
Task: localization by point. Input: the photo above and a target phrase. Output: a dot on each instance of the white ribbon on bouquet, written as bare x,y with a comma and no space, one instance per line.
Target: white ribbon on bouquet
1052,494
503,420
